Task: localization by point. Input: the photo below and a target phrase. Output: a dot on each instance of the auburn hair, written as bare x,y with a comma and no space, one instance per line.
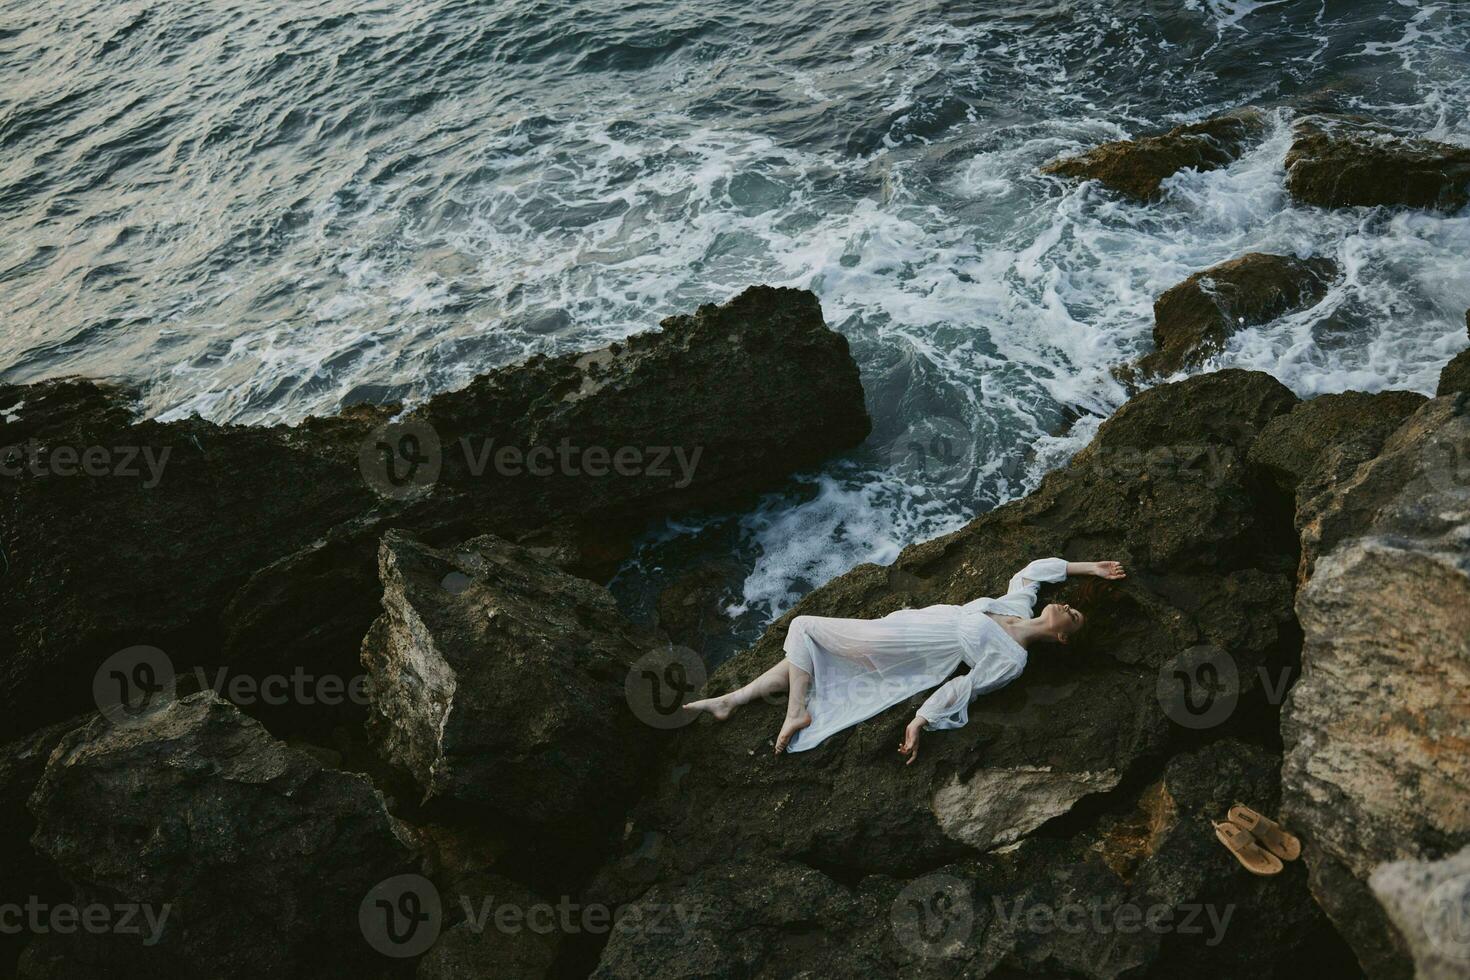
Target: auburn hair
1091,598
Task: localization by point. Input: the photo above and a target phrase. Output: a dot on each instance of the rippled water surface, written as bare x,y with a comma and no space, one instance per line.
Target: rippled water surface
259,209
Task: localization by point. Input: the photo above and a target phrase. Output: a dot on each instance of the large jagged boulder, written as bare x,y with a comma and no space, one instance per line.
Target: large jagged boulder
498,682
1194,319
1069,904
24,874
1321,442
1341,161
1428,903
150,543
1350,498
501,929
260,541
1137,167
1376,729
1052,783
248,857
1455,376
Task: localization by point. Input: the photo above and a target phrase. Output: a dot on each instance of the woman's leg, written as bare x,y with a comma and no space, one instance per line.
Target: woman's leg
797,715
773,681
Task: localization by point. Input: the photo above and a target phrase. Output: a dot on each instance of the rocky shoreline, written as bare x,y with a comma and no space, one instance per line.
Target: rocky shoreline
1293,634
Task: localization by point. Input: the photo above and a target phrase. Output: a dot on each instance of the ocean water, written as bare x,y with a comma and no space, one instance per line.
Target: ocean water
260,209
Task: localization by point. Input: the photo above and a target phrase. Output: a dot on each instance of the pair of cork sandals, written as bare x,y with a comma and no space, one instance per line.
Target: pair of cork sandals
1259,843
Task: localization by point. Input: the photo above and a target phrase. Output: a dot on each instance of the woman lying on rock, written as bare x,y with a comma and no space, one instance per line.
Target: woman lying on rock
855,668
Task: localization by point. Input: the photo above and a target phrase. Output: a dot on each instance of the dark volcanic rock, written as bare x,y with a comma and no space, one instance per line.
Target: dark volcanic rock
1456,375
519,946
148,551
1353,499
1193,319
1051,907
1136,167
23,872
1321,442
758,387
260,856
689,608
498,681
1338,161
1295,447
1376,729
260,541
1060,789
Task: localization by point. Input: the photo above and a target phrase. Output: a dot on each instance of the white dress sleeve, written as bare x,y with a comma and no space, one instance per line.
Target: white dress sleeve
1020,597
949,705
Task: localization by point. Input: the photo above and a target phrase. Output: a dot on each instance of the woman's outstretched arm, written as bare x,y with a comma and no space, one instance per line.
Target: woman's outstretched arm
1102,569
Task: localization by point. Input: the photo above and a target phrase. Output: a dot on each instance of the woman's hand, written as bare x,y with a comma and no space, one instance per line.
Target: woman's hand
908,746
1109,569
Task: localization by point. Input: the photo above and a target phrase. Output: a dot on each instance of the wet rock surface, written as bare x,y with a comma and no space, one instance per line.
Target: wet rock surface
1426,902
1375,768
690,609
1194,319
1319,444
248,858
1352,497
480,945
24,873
1066,831
498,683
1341,161
1075,783
1137,167
260,541
1456,374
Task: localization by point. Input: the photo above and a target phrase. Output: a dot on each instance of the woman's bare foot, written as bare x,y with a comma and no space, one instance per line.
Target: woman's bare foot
721,707
789,727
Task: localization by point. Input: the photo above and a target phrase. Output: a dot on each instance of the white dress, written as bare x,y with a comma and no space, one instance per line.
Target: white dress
860,667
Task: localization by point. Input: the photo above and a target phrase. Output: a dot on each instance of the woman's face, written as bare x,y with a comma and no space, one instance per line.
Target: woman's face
1061,620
